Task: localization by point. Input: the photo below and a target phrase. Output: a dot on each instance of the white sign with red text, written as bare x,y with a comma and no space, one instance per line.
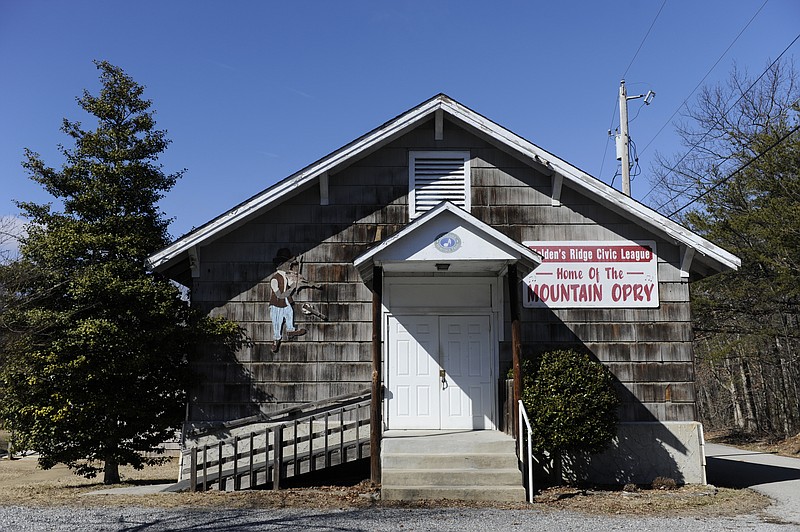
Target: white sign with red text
619,274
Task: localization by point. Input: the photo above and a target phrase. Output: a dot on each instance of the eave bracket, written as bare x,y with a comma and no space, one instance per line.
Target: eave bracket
687,254
558,180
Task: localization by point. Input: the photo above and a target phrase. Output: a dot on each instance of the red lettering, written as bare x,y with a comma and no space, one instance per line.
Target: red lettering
597,292
648,290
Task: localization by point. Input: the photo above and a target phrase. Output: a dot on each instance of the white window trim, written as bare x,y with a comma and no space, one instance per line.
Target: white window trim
436,154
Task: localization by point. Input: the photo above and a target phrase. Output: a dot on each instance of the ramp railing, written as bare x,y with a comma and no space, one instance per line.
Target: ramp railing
332,435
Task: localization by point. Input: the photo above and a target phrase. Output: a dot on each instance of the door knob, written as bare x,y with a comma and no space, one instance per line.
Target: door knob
443,376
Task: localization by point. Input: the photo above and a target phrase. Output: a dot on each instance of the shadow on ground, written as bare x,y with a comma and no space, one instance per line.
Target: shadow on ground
734,474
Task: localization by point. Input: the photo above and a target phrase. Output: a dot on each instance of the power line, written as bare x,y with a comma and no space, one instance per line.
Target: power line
645,38
608,139
704,77
740,169
719,120
614,112
605,150
635,157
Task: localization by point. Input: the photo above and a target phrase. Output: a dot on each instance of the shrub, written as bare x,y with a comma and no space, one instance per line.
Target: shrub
572,405
664,483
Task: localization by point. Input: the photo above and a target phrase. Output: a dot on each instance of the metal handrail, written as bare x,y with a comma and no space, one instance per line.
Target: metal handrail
525,433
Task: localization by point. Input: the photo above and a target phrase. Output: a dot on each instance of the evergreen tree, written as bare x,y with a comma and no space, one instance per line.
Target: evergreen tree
96,360
741,181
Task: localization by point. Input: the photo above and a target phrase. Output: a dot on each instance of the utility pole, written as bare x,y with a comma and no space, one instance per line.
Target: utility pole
624,139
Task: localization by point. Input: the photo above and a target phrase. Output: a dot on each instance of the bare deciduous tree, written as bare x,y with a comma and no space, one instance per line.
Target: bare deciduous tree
740,179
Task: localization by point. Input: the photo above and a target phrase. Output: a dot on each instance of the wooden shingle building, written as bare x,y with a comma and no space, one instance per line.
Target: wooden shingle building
441,245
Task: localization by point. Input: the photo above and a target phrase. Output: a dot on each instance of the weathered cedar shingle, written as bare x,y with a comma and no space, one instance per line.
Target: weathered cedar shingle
646,349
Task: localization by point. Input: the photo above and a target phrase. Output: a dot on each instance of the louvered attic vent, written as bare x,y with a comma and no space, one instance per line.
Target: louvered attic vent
436,176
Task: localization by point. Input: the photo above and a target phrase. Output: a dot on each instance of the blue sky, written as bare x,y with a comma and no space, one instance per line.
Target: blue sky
250,92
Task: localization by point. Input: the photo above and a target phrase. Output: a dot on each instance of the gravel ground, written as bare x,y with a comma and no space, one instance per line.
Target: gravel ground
374,519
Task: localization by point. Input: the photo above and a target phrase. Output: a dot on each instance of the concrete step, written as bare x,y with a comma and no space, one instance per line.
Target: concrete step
451,477
462,493
450,461
461,465
496,442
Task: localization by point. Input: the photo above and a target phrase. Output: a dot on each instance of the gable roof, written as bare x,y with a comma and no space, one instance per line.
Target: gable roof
714,256
414,248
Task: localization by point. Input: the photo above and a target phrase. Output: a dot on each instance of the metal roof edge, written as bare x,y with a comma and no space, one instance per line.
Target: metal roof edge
594,186
272,194
587,183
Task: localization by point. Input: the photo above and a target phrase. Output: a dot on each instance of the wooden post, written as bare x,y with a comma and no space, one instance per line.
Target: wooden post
342,450
327,449
277,456
252,456
236,463
376,396
358,431
312,460
296,437
220,482
516,346
193,472
205,467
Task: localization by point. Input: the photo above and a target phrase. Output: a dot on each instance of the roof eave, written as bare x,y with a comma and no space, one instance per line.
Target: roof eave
390,130
260,202
595,188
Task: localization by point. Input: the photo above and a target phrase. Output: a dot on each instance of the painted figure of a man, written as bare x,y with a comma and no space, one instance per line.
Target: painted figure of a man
284,284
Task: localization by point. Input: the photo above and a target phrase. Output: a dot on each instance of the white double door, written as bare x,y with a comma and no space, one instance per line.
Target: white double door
439,372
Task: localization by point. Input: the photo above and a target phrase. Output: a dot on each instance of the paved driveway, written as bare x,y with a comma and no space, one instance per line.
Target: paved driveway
777,477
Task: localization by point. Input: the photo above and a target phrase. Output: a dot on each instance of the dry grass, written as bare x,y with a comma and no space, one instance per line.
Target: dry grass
23,483
692,500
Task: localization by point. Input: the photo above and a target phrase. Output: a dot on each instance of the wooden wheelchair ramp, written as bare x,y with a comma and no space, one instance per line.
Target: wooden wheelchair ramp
262,451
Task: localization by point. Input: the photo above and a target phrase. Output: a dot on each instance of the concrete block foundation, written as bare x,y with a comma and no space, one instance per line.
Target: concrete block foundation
643,451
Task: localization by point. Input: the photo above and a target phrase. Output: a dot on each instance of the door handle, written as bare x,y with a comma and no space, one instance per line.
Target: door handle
443,376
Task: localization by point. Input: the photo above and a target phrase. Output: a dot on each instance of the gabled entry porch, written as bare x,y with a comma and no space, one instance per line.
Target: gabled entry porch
438,318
